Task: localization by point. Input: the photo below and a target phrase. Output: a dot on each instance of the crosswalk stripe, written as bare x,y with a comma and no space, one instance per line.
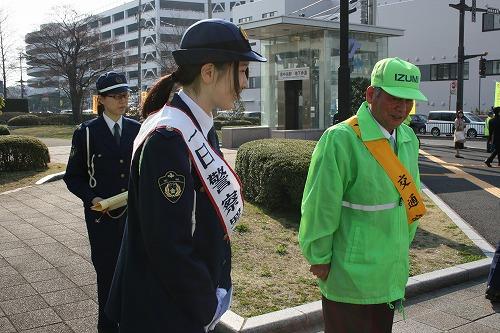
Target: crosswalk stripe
462,174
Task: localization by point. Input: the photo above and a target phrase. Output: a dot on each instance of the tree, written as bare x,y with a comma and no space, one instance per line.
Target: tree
168,43
6,51
358,90
72,53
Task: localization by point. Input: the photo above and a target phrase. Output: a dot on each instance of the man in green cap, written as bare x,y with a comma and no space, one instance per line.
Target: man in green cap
361,205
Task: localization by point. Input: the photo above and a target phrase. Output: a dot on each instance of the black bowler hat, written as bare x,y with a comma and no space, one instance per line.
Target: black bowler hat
214,40
111,83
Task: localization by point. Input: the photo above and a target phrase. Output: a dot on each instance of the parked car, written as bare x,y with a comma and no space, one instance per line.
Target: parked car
443,122
418,122
67,111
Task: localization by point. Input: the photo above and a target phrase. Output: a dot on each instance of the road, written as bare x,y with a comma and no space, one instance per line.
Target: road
467,185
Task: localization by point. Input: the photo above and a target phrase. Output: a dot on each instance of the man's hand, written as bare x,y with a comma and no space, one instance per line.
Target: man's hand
321,271
96,200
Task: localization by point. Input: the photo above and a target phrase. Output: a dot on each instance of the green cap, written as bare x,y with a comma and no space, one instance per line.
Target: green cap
398,78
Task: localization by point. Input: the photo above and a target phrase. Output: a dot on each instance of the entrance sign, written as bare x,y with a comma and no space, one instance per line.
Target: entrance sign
293,74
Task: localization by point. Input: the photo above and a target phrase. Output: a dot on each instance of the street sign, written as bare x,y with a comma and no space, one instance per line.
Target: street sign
492,10
293,74
453,87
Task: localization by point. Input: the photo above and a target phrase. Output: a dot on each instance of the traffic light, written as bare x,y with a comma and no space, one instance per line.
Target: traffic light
482,67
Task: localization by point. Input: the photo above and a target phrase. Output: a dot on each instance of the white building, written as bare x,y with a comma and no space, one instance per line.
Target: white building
431,42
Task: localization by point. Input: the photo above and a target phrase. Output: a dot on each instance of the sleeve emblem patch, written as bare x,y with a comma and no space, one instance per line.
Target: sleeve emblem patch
172,186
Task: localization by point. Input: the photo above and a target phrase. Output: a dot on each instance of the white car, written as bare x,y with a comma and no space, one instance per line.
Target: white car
443,122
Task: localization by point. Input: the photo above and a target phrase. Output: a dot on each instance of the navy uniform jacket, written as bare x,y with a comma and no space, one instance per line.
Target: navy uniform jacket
110,162
166,277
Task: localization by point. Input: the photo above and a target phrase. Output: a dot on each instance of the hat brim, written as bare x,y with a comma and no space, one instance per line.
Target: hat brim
406,93
203,56
118,90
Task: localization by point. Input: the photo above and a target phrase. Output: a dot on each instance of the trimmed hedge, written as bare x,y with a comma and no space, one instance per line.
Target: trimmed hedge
218,124
274,171
5,116
24,120
4,130
19,152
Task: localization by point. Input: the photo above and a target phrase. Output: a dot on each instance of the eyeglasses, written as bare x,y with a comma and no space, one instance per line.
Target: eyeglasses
119,97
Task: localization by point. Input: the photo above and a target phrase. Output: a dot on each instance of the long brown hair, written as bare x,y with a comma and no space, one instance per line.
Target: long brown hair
160,92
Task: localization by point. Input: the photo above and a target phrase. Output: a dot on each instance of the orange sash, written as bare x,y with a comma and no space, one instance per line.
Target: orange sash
400,177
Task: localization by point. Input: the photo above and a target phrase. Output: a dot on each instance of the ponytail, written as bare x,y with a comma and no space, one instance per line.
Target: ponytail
159,94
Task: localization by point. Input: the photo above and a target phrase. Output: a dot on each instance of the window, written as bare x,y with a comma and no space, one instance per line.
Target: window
106,20
133,43
106,34
170,38
119,46
182,5
491,22
133,74
132,27
245,19
442,72
132,11
176,21
148,40
254,82
118,16
119,61
94,24
270,14
493,67
218,7
119,31
132,59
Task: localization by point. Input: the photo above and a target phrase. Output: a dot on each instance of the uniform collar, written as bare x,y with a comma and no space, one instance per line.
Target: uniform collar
372,130
111,123
206,121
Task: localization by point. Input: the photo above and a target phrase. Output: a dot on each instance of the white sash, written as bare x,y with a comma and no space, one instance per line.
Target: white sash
219,180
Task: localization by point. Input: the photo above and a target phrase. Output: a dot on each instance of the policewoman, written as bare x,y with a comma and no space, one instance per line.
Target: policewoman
98,168
173,273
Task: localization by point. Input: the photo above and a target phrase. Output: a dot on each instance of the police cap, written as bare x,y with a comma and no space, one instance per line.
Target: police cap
214,40
111,83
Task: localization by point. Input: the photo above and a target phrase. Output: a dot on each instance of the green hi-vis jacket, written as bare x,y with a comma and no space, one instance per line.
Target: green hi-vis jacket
352,216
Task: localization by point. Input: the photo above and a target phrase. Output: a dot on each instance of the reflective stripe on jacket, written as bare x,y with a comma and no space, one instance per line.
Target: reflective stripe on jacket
352,216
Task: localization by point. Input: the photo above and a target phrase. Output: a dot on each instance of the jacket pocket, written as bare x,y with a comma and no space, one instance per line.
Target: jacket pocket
355,253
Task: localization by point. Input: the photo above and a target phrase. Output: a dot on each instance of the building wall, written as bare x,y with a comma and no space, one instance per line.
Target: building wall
431,37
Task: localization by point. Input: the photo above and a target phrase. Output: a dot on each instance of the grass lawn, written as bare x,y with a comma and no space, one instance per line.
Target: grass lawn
16,179
46,131
269,272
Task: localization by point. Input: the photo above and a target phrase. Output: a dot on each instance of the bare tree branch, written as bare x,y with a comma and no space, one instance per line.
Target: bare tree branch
69,48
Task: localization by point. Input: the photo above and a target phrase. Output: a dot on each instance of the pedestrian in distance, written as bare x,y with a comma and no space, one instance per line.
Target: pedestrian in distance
487,130
494,127
98,168
173,272
459,133
361,205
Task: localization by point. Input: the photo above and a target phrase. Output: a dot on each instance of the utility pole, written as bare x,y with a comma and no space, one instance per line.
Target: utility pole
344,86
139,53
21,69
462,8
209,9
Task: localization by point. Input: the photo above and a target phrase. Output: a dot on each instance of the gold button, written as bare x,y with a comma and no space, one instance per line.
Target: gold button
121,161
123,190
99,155
122,175
202,189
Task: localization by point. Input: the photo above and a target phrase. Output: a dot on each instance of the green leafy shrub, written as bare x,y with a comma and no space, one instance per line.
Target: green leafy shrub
4,130
24,120
63,119
218,124
274,171
19,152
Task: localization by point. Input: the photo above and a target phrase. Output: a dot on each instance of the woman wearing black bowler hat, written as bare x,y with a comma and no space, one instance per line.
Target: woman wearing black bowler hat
98,167
173,272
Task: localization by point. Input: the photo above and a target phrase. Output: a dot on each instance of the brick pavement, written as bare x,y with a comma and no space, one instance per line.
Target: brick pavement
47,282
